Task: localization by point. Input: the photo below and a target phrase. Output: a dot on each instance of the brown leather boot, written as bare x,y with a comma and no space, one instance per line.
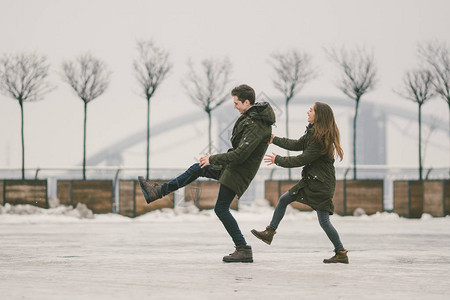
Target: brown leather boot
243,253
339,257
151,192
266,236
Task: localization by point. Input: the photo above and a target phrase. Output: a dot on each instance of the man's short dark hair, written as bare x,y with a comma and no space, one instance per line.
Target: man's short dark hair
244,92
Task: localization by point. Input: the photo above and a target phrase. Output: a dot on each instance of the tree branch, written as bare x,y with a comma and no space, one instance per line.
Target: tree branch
437,56
417,86
87,75
293,70
23,76
358,71
151,67
207,88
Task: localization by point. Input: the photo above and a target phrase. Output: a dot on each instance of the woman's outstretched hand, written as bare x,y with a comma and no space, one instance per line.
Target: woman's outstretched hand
270,159
204,160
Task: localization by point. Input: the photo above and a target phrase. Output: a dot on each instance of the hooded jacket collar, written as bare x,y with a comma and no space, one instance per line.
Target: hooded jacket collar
261,111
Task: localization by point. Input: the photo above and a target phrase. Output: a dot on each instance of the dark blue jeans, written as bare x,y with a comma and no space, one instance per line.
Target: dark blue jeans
224,199
323,216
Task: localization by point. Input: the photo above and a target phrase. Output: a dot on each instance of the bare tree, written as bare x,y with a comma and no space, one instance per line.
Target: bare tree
358,78
437,57
208,86
89,78
23,78
151,68
418,87
292,70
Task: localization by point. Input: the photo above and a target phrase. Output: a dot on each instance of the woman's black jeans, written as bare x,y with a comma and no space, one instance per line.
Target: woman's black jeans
323,216
224,199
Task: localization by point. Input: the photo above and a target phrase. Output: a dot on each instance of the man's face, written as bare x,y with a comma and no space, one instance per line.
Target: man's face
242,107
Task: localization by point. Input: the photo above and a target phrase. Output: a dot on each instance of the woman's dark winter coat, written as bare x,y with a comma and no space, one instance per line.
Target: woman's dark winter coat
250,137
316,188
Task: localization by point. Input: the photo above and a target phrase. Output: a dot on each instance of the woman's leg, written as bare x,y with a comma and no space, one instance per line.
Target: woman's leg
222,210
324,221
191,174
280,210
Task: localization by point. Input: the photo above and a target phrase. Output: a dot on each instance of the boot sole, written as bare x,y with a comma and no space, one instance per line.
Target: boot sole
253,231
335,262
249,260
147,199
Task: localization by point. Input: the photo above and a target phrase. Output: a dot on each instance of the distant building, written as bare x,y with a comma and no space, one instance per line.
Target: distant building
370,136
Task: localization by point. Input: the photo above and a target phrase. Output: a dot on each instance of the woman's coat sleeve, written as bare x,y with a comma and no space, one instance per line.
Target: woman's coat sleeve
289,144
311,153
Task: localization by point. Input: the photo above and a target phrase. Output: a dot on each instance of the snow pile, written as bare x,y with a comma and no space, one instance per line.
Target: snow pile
258,210
81,211
359,212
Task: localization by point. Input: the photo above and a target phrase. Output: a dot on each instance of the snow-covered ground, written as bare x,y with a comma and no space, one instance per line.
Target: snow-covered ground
65,253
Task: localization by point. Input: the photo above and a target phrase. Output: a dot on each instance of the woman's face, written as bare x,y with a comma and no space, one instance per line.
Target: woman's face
311,115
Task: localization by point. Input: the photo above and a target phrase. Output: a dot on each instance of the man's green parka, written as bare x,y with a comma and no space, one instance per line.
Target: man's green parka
250,137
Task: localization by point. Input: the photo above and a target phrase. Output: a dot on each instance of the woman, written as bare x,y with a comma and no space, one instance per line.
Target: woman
316,188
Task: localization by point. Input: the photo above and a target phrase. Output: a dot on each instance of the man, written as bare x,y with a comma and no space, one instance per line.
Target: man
234,169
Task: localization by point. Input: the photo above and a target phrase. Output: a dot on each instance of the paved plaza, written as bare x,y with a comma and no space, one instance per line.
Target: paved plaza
178,255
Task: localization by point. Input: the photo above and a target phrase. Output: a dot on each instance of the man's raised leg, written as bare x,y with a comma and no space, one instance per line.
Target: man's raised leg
153,192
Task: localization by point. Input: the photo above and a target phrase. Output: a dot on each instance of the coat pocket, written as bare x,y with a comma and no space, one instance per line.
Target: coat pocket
315,183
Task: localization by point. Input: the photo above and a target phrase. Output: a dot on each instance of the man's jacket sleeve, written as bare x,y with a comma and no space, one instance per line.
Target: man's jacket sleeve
250,140
311,153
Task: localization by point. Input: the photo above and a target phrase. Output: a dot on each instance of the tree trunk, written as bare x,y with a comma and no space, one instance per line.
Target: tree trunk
84,141
287,133
209,131
354,138
23,141
148,140
420,141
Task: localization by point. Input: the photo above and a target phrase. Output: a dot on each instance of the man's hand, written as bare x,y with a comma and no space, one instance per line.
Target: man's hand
270,159
204,160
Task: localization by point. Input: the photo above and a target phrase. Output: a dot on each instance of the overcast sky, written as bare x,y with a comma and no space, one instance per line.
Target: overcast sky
246,32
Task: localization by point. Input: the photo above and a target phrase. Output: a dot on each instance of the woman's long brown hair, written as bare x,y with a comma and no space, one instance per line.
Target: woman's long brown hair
326,131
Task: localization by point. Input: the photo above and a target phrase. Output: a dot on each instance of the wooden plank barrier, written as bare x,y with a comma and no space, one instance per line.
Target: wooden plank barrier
32,192
366,194
447,197
127,197
2,196
433,198
97,195
408,198
64,192
414,197
401,198
348,195
204,194
436,197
